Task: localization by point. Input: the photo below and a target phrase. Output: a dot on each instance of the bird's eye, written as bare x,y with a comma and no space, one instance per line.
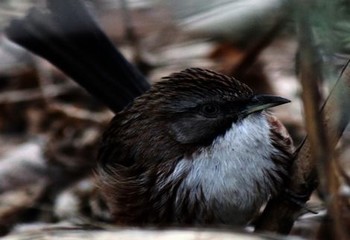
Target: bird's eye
210,110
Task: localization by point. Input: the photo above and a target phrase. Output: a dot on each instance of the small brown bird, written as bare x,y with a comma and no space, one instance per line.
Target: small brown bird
196,149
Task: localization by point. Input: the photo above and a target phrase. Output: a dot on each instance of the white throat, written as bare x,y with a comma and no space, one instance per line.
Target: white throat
231,172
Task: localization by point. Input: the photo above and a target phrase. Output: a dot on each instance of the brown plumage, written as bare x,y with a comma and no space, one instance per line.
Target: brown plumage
182,153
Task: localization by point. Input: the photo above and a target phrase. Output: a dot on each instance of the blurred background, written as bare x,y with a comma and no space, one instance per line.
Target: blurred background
50,126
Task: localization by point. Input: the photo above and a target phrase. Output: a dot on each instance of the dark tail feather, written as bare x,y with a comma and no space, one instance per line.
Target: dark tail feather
69,38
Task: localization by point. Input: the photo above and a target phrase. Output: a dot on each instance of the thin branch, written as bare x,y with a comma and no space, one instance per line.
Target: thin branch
337,203
253,51
82,114
51,91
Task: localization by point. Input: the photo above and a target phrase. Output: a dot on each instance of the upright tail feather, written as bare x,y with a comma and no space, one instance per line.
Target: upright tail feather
69,38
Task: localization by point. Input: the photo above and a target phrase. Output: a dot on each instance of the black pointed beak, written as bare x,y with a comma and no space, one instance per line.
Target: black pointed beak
261,102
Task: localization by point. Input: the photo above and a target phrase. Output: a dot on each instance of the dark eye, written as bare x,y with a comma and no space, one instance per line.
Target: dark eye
210,109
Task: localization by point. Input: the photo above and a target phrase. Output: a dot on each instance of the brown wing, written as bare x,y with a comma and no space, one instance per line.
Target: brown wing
283,143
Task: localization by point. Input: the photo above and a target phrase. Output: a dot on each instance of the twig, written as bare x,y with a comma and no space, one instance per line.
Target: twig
130,33
337,204
310,74
44,78
253,51
82,114
10,13
51,91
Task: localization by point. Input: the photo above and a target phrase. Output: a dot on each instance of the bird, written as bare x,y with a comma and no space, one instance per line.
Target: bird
197,149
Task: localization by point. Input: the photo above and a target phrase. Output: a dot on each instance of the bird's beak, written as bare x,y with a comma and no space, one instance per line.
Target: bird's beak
261,102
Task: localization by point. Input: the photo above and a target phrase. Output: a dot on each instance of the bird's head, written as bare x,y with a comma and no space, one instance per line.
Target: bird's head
197,105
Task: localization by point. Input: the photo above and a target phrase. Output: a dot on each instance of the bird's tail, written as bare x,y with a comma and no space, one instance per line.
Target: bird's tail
69,38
